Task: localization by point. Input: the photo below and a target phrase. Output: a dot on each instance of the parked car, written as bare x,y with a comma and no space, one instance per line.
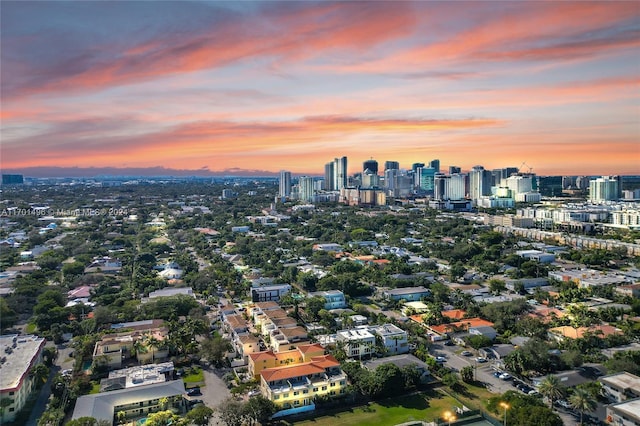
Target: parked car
194,391
466,353
505,376
448,343
563,403
497,373
481,359
441,359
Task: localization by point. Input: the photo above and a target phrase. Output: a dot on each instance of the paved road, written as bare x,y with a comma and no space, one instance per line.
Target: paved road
484,374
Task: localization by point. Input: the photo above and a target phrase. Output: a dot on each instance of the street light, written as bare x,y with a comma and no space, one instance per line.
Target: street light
506,406
449,417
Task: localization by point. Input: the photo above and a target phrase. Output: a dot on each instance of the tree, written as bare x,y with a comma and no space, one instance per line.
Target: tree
479,341
451,380
550,387
162,418
215,349
40,373
582,400
467,374
199,415
230,412
497,286
259,409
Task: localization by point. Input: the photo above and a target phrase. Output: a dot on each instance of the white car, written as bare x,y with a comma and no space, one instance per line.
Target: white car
481,359
505,376
441,359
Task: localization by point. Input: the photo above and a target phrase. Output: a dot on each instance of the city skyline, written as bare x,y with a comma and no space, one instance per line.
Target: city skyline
268,86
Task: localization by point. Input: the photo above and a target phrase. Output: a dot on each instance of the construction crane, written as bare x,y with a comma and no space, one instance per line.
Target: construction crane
524,163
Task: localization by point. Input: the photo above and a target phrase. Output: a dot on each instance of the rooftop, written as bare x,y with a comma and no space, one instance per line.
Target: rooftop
622,380
629,408
18,353
136,376
101,406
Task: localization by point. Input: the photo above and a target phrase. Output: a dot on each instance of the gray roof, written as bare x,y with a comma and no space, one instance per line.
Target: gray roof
399,360
101,406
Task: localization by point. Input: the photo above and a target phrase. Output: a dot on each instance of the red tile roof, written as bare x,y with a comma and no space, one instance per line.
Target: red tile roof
312,347
454,314
291,371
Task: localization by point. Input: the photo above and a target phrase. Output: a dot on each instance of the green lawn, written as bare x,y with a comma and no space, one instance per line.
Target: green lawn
95,388
390,411
195,377
30,328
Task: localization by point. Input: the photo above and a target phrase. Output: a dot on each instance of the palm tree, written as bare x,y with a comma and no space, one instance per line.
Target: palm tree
582,400
551,388
40,373
140,348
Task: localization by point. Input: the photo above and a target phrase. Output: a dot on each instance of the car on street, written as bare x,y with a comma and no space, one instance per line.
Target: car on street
505,376
441,359
481,359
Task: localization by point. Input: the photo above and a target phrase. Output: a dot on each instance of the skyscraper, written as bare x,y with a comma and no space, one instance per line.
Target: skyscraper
454,170
305,189
435,164
605,188
371,165
391,165
340,172
329,176
480,182
285,184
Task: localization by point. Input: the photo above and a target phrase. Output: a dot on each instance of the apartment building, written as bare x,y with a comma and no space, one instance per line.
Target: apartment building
18,355
293,387
270,359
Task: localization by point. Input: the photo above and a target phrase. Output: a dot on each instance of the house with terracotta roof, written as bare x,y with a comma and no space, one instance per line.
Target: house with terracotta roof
268,359
568,332
454,314
464,325
294,387
546,314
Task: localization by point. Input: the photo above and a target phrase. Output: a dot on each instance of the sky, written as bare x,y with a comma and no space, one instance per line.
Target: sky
552,87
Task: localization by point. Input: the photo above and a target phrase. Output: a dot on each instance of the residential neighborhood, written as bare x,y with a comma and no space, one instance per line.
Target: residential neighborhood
158,311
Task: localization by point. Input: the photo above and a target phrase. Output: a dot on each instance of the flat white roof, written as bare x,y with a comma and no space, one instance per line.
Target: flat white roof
17,359
622,380
629,408
101,406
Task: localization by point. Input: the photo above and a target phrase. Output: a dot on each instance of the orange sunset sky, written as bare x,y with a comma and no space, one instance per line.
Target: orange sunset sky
265,86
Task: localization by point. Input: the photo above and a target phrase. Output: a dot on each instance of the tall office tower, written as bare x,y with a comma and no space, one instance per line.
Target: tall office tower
390,179
582,182
454,170
426,177
369,179
435,164
340,173
391,165
329,176
305,189
440,181
371,165
285,184
449,187
480,182
415,166
605,188
457,188
568,182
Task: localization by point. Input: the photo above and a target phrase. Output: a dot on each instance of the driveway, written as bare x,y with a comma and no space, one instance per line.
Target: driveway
215,390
